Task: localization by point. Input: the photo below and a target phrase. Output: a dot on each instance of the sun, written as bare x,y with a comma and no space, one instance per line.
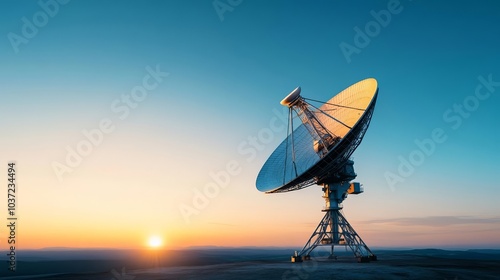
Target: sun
155,241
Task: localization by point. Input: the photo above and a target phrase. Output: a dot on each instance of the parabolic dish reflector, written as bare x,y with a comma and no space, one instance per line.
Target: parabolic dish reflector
296,162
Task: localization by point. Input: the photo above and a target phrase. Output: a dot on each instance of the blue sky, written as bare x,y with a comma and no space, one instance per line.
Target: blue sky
226,78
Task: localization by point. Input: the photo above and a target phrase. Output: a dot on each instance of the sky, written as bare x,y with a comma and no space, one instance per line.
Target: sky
132,119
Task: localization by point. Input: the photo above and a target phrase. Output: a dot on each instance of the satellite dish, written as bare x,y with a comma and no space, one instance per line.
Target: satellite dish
318,152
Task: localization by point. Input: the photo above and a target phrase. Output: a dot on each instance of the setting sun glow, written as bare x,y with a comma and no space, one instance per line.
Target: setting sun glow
155,242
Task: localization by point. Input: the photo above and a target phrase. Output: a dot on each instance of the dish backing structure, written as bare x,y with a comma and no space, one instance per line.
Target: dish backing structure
318,152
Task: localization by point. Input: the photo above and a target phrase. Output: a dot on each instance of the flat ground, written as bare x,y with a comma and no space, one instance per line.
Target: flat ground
258,264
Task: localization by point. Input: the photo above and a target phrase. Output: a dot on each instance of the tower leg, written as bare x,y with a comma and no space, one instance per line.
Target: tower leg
334,230
354,241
